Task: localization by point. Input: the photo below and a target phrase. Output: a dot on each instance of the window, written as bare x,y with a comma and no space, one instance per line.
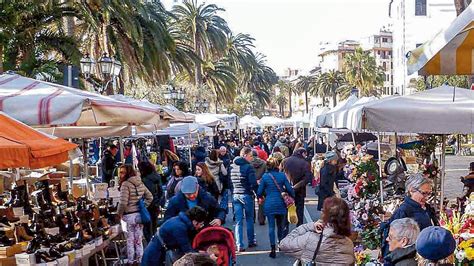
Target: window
420,7
384,39
384,65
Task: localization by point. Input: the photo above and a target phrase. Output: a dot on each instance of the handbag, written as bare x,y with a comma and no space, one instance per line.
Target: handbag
286,197
312,262
145,216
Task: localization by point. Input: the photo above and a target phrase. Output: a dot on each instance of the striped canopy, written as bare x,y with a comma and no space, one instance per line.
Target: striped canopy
450,52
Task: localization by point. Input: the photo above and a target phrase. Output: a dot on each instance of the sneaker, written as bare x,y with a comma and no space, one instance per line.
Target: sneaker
252,245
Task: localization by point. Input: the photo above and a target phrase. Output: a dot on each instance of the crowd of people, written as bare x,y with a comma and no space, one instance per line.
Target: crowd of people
267,170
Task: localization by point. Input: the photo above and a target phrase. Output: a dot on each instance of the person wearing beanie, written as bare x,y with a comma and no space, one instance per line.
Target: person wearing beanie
328,178
191,195
435,245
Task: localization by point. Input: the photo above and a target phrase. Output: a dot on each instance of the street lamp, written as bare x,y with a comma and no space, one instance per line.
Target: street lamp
109,68
171,94
202,105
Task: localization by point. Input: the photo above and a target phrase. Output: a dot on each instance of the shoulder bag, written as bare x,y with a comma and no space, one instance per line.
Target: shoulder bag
145,216
313,261
286,197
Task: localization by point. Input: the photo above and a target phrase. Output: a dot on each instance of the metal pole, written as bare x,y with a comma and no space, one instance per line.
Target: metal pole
70,172
380,167
443,170
353,138
121,149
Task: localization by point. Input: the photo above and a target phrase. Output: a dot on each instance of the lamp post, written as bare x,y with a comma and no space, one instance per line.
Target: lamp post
174,95
201,105
109,69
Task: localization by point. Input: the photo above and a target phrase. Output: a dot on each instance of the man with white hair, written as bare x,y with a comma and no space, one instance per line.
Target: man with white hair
401,240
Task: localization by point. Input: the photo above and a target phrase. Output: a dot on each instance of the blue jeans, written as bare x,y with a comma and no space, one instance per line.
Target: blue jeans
243,203
282,227
224,204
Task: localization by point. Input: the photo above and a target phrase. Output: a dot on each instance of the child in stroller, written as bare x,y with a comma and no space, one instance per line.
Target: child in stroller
217,241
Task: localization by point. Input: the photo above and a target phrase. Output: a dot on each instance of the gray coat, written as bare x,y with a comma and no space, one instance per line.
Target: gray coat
403,256
302,241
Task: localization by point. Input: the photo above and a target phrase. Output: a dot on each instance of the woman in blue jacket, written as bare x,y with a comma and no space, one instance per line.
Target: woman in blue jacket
274,207
174,235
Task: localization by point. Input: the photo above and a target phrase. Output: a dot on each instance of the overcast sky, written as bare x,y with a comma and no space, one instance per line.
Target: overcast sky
288,31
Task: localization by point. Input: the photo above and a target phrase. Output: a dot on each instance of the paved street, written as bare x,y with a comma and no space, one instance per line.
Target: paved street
456,166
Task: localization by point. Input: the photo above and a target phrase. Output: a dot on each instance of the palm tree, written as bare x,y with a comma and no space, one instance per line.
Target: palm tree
221,79
287,88
306,84
31,40
134,32
205,29
259,79
328,84
363,73
281,100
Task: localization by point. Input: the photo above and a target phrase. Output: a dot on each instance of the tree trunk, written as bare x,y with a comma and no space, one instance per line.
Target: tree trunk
198,72
290,108
1,58
334,99
306,99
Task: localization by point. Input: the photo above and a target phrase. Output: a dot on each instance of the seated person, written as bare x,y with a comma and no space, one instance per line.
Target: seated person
174,237
191,195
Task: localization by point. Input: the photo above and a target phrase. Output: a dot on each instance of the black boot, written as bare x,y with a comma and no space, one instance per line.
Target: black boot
273,252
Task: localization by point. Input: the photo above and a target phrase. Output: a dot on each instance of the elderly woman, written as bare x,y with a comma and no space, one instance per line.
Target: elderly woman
328,177
336,248
401,240
415,205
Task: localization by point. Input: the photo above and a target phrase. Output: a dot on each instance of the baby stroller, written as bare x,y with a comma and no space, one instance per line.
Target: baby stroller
220,236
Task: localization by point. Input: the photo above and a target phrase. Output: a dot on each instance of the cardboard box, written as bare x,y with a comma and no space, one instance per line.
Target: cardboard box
25,259
99,190
52,231
11,250
63,261
79,190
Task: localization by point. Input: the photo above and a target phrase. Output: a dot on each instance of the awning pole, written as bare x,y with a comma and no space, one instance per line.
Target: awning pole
443,170
121,149
353,138
71,178
327,145
190,153
380,168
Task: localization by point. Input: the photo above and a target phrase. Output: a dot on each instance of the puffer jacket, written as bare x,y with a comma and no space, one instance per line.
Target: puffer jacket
131,191
274,203
216,167
242,175
403,256
260,167
302,242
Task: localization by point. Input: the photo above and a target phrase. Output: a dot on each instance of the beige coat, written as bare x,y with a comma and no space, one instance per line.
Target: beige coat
129,197
303,240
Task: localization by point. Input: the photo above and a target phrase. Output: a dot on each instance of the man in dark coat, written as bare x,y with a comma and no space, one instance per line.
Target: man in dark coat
191,195
108,163
298,170
176,234
260,167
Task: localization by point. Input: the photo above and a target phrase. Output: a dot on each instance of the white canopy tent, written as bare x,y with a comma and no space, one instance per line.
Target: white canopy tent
183,130
270,121
442,110
43,105
230,121
209,120
349,117
298,121
325,118
249,121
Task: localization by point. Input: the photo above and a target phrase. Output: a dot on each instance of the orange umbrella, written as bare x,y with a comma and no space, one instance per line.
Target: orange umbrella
23,146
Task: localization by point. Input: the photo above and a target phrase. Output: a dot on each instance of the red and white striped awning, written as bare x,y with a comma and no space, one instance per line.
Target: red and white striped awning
40,103
450,52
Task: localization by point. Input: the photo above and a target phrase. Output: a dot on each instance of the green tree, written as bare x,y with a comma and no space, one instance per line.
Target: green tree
306,84
362,72
259,79
288,88
459,81
328,84
206,31
32,40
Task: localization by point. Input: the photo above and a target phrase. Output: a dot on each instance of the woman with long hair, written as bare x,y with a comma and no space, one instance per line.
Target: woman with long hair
132,190
206,179
333,231
180,171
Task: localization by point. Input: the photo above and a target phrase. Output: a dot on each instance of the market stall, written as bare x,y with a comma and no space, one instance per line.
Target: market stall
249,121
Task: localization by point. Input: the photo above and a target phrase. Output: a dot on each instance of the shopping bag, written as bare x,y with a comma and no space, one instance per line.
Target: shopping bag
292,216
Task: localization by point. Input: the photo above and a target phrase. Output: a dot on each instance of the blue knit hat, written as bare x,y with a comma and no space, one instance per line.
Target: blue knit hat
435,243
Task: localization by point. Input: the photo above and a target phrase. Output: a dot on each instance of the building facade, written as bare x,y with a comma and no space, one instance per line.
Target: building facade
380,46
415,22
331,55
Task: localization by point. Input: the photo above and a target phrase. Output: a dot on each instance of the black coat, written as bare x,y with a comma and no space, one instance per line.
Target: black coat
299,172
326,185
402,256
108,166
